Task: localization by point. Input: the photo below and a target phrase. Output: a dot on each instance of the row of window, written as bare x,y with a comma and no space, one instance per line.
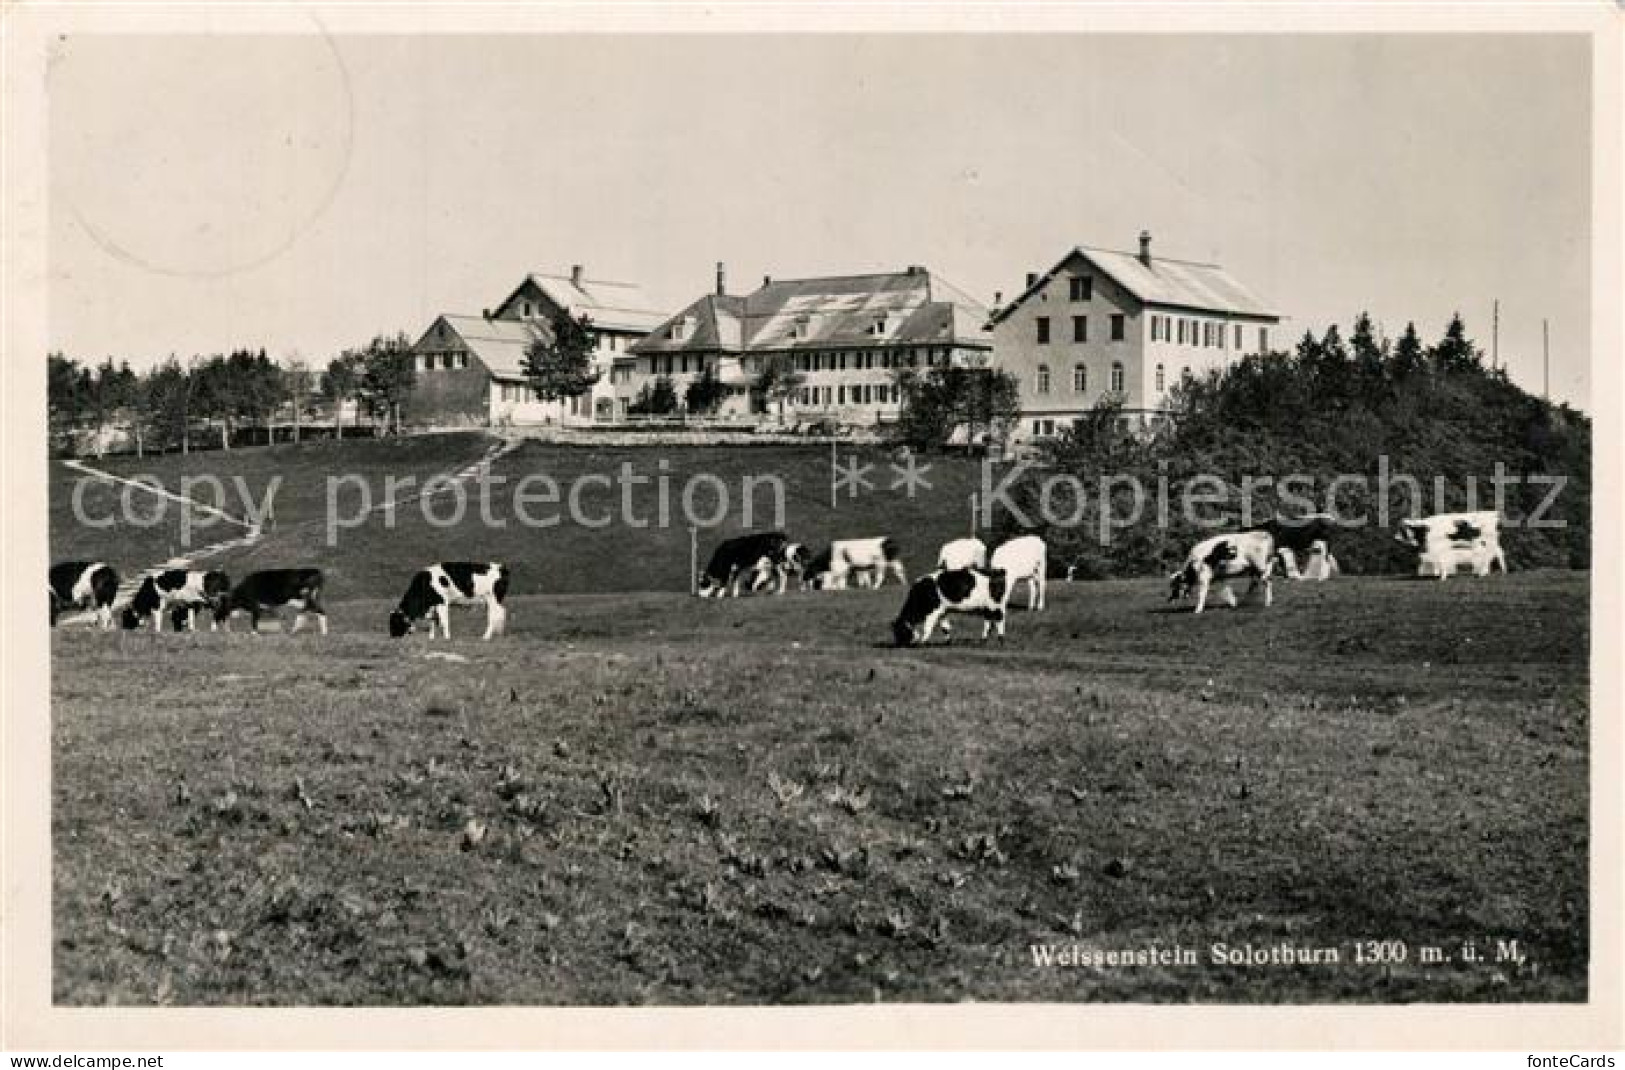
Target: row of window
861,360
1203,334
516,393
1185,331
1080,328
1047,427
855,360
849,394
428,362
1080,378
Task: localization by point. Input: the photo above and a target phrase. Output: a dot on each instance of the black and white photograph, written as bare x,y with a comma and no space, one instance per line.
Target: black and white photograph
708,515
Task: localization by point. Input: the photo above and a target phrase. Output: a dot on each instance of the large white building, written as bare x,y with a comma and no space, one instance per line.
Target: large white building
847,336
1104,323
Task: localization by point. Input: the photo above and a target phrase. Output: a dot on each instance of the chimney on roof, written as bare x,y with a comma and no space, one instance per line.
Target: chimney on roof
1145,247
916,269
1032,277
998,299
485,313
767,280
575,274
722,278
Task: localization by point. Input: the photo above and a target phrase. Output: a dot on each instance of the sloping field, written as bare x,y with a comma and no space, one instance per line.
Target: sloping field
613,541
647,798
132,529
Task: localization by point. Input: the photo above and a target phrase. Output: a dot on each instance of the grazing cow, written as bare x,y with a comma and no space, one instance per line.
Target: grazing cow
438,587
1221,559
864,561
83,585
759,556
1447,541
191,589
1296,538
1319,565
1025,557
274,591
962,553
975,591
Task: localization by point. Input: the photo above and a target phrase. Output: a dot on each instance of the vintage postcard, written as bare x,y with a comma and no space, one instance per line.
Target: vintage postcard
812,526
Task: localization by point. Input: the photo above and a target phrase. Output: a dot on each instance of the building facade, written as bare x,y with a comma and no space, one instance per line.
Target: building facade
1107,324
847,338
470,369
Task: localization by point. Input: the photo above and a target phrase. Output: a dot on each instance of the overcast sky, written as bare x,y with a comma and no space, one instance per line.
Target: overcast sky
304,193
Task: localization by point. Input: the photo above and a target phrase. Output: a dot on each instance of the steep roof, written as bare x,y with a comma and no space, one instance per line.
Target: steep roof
499,344
613,305
1165,281
713,323
844,310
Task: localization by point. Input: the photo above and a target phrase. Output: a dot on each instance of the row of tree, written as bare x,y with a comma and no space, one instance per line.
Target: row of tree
178,405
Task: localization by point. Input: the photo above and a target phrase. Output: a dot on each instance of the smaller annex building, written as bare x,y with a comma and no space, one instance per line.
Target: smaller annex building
470,369
1105,323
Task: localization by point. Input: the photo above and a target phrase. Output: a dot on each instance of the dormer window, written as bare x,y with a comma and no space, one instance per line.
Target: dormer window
800,328
680,328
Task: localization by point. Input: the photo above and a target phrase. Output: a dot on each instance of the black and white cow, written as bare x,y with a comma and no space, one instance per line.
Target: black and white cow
1447,541
84,585
1025,557
435,589
863,562
760,557
1321,564
173,588
975,591
1220,560
1296,539
275,590
969,552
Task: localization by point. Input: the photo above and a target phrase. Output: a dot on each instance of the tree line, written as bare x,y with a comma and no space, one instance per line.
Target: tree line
206,401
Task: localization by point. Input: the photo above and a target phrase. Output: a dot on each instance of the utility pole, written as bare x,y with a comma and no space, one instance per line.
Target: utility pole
1545,361
1495,336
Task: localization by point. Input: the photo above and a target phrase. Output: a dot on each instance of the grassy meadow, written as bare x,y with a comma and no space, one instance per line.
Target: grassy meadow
646,798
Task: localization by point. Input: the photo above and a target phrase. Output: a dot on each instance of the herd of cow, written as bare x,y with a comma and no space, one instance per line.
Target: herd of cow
967,579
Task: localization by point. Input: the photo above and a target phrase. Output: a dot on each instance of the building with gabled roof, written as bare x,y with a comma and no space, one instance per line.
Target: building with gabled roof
1106,323
847,335
470,369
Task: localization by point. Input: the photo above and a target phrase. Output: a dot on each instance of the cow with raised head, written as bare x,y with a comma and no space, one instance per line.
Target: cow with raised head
1447,541
962,553
189,589
1024,557
275,591
83,585
1223,559
438,587
973,591
759,557
861,562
